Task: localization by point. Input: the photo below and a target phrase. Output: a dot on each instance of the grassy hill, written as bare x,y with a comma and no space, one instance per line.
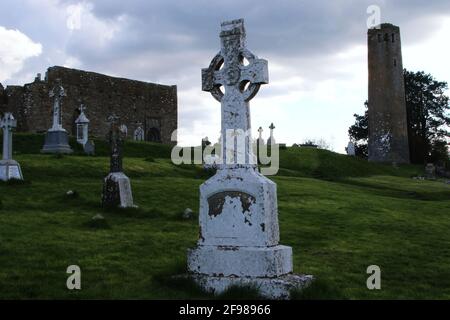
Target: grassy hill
339,214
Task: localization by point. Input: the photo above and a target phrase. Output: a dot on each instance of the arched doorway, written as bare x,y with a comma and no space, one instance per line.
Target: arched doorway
153,135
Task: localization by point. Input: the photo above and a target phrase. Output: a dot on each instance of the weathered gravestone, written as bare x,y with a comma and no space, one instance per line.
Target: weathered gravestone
239,234
89,148
124,129
430,171
139,132
56,139
271,139
350,148
9,168
441,170
116,185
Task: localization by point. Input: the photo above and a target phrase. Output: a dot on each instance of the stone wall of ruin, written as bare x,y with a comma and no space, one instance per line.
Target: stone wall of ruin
154,105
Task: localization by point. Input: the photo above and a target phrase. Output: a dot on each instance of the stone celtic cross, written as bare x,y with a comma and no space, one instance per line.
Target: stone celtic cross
116,144
7,123
240,82
57,93
260,131
271,128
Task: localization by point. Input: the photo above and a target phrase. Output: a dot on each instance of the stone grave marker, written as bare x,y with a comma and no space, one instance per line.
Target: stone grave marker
89,148
116,185
430,171
139,133
271,139
260,138
350,148
9,168
239,233
56,139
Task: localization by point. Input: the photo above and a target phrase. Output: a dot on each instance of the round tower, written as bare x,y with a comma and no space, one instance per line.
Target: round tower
388,130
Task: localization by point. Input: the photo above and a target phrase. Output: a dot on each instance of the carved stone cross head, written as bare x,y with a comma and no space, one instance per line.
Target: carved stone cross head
58,90
112,118
82,108
271,126
228,68
260,130
8,121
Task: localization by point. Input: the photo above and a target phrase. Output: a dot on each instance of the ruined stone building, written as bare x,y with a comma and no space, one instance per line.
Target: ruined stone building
151,106
388,130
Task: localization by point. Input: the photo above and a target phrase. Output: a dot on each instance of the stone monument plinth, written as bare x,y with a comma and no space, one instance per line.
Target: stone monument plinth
56,138
9,168
239,233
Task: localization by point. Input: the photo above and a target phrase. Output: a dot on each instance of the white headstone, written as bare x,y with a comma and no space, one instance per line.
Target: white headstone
9,168
239,231
351,148
124,130
430,171
139,133
7,124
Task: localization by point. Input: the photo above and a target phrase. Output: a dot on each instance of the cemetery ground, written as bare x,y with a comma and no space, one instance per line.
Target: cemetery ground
339,214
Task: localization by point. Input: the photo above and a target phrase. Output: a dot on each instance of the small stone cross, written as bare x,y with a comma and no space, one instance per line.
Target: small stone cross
82,108
271,129
260,131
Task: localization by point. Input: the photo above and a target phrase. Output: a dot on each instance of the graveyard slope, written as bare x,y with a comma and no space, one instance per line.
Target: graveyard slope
339,214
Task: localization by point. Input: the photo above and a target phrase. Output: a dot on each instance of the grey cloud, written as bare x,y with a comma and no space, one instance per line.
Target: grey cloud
174,35
182,32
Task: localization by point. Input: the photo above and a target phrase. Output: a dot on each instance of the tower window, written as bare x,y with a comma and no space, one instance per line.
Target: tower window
393,37
386,37
379,37
395,62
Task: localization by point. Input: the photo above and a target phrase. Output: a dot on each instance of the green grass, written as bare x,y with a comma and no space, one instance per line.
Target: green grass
339,214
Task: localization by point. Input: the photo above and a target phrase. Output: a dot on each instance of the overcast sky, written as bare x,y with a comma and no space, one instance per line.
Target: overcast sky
316,51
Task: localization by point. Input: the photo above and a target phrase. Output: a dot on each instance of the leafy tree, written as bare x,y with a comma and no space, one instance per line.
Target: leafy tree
428,119
359,133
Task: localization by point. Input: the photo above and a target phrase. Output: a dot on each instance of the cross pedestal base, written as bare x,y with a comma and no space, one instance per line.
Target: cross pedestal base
238,207
239,236
10,169
279,288
240,261
117,191
56,142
